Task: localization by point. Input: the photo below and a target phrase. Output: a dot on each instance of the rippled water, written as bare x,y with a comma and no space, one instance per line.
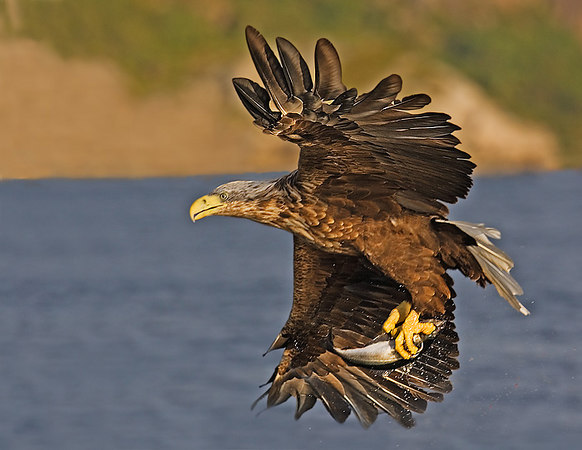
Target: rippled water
125,326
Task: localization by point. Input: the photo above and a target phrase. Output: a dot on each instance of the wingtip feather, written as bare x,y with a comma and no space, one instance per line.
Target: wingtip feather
328,71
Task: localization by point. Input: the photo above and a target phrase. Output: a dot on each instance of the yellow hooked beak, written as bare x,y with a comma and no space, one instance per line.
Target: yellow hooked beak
205,206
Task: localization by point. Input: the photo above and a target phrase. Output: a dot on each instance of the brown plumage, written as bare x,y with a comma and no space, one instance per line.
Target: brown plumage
366,207
345,298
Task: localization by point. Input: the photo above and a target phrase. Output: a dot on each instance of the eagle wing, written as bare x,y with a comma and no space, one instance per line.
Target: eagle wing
345,296
346,139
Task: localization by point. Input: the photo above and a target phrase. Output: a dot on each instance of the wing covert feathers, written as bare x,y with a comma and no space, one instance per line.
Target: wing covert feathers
338,131
344,294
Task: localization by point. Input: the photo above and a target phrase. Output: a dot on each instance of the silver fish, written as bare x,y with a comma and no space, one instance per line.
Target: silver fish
379,352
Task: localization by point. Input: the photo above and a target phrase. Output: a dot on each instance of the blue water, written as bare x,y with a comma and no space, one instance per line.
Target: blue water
125,326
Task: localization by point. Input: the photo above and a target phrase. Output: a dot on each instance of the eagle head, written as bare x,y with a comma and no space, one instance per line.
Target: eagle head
237,198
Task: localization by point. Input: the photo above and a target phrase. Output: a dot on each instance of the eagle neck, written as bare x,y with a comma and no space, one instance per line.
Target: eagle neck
281,207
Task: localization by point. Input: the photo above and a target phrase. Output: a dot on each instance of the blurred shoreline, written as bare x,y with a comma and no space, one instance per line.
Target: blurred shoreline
76,118
142,88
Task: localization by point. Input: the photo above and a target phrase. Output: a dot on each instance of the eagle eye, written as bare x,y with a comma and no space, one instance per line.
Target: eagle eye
223,196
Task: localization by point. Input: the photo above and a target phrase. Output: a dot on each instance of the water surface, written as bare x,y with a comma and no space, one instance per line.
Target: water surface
125,326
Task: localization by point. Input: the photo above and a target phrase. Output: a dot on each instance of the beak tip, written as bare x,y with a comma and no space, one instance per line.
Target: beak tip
192,212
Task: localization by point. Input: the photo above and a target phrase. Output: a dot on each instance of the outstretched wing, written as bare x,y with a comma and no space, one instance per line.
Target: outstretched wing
371,140
340,295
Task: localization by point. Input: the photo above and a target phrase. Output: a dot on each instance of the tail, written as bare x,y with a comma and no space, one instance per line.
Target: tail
495,263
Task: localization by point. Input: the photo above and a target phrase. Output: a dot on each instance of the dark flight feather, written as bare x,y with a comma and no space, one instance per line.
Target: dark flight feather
255,99
379,98
295,68
328,71
334,292
270,71
375,132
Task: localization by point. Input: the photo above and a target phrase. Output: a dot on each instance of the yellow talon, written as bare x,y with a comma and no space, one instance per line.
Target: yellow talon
410,327
396,316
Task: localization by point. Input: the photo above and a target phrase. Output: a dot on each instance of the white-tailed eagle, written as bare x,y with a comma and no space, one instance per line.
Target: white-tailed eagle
371,328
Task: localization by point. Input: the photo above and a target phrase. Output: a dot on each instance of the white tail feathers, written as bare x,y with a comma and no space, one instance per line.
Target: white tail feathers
495,263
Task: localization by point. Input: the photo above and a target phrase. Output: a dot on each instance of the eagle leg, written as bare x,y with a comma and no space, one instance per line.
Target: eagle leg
410,327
